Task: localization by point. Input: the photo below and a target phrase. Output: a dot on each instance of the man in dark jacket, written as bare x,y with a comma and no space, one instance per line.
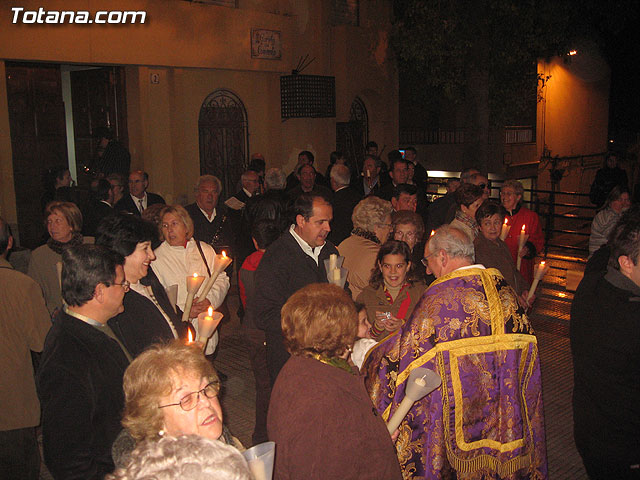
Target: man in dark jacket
80,379
605,344
294,260
345,199
138,199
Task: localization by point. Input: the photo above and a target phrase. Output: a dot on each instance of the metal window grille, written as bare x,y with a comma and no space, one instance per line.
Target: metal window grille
307,96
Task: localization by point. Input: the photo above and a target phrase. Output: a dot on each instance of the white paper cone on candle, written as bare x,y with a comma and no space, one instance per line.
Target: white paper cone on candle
420,383
221,262
207,323
260,460
333,261
172,294
193,283
540,272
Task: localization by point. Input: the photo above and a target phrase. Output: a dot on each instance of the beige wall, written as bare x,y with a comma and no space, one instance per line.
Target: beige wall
573,116
7,189
197,49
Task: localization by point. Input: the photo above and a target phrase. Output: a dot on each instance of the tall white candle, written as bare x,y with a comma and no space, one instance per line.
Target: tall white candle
221,262
504,231
541,270
522,239
333,260
193,283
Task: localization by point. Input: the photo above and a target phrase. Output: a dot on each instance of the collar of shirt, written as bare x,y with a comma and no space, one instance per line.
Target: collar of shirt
341,188
247,192
477,265
84,318
210,218
306,248
136,200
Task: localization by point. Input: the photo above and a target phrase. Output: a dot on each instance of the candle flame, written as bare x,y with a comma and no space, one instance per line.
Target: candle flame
195,275
433,232
189,337
506,221
523,228
542,264
210,311
224,254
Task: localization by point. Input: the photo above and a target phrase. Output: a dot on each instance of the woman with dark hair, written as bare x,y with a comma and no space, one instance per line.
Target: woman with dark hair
617,203
468,197
64,224
56,185
493,252
320,415
148,316
393,291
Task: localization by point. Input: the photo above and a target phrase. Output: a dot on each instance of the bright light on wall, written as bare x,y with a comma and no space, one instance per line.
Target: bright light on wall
573,52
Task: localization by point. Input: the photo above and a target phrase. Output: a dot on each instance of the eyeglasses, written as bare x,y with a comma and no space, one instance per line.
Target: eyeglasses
191,400
174,224
126,285
424,259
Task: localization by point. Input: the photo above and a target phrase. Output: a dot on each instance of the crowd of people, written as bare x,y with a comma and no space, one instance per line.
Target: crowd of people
122,382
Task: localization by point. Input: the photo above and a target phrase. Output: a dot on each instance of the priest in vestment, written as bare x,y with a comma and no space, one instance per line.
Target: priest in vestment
486,419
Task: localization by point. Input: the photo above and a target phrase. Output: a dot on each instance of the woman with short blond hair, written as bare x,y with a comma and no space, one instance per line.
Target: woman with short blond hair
371,228
180,255
170,389
320,415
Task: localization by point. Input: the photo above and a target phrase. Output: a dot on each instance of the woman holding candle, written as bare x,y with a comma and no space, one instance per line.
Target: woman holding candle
180,256
148,315
392,292
519,216
170,390
493,252
469,197
64,224
320,415
371,227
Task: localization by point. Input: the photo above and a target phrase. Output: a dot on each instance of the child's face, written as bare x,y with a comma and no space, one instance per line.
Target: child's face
363,324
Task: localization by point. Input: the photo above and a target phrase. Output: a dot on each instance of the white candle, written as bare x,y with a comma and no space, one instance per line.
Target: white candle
522,239
333,260
336,276
541,270
221,262
504,231
207,323
193,283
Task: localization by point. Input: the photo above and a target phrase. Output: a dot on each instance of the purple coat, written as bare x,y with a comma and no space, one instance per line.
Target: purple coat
487,416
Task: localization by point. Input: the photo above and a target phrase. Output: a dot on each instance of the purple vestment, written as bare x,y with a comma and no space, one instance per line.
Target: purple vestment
486,420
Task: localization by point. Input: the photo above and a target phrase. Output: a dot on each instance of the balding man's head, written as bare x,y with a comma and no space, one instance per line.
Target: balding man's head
447,250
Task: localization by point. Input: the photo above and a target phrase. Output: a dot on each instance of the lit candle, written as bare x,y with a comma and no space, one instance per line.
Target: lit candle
193,283
433,232
221,262
207,323
189,337
541,270
504,231
522,239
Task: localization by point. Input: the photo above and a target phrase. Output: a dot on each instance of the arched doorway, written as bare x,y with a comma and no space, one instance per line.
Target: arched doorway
224,143
352,136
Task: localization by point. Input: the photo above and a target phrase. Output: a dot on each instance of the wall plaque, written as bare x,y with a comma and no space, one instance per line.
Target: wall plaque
266,44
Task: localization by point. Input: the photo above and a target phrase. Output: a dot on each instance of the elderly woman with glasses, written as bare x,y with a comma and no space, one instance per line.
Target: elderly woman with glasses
320,415
371,228
148,315
518,216
170,389
179,256
64,224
